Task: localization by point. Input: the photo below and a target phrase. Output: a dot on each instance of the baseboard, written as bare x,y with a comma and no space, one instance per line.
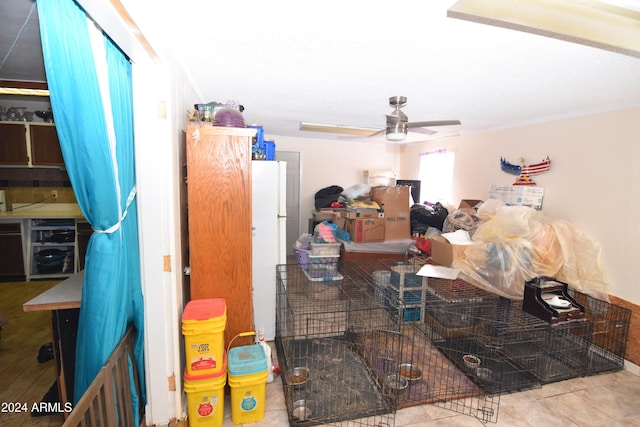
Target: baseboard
632,367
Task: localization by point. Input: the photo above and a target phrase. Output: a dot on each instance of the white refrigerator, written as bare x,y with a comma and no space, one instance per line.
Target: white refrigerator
269,211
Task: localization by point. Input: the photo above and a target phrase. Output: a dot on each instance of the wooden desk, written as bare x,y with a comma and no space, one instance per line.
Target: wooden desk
65,295
64,302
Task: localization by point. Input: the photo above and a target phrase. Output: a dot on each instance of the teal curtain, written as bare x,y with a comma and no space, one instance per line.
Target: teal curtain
91,98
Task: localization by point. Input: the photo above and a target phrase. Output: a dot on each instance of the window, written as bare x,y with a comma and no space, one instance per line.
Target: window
436,176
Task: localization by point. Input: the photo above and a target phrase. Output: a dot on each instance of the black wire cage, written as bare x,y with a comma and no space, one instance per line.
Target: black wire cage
435,316
377,336
338,350
608,333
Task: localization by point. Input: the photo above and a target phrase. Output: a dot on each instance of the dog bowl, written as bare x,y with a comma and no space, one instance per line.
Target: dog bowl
298,376
410,371
484,374
396,382
471,361
301,409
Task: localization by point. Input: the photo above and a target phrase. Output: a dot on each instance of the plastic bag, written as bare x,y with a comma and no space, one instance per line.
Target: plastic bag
356,191
328,195
515,244
304,241
342,234
325,232
460,219
422,217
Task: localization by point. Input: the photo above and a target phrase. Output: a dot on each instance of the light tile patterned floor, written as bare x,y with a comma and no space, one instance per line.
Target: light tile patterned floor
611,400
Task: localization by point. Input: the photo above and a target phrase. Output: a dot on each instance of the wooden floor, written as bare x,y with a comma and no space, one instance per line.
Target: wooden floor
24,381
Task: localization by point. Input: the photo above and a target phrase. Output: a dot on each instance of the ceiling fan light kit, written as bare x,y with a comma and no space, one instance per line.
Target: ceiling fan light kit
396,131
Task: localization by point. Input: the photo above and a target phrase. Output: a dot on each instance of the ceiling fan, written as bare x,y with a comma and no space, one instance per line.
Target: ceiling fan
397,127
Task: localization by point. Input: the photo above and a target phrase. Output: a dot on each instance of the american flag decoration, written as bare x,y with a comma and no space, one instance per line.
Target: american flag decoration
525,172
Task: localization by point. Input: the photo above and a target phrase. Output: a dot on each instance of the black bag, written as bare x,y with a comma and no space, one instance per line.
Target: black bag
328,195
422,217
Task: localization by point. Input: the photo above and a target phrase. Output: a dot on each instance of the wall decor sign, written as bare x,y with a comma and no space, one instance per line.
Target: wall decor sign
524,171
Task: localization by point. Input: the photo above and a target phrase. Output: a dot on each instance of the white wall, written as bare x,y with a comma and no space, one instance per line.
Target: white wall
343,163
592,182
162,94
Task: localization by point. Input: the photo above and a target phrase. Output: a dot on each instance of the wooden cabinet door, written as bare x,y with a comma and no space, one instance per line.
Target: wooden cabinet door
11,262
45,147
13,144
219,221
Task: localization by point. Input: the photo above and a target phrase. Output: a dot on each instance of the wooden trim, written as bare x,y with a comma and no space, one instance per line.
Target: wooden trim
135,30
633,341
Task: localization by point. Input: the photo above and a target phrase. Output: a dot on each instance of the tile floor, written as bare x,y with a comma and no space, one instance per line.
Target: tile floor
611,400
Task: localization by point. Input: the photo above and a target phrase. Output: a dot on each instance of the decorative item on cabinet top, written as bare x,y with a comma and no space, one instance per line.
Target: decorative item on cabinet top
224,115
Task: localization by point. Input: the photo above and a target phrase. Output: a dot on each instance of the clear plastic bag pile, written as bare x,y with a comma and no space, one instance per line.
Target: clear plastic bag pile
513,244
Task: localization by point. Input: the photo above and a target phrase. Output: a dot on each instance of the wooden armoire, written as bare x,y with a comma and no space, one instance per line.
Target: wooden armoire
219,221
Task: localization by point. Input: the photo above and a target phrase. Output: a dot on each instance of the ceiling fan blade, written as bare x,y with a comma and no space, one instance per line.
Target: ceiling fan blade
433,123
425,131
397,116
355,130
381,131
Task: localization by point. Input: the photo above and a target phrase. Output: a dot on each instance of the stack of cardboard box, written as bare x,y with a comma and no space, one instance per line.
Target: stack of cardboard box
390,222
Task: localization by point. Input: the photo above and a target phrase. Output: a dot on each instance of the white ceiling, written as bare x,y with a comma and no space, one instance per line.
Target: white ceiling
338,62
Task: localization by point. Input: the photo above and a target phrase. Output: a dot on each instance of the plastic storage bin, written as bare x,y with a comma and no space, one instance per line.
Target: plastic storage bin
325,249
203,324
323,267
381,280
270,150
302,257
247,378
205,398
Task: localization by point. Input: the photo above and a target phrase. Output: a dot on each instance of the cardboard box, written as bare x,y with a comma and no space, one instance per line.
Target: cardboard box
444,252
518,195
470,203
326,215
351,213
366,230
395,202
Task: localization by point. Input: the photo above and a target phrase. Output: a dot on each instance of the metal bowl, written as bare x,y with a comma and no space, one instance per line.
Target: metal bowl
410,371
397,382
50,255
484,374
47,116
301,409
298,376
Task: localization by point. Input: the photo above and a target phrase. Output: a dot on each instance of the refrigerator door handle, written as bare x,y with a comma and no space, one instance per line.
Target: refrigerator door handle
282,190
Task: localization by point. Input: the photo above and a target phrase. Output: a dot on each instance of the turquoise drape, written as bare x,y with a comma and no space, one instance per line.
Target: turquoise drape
95,129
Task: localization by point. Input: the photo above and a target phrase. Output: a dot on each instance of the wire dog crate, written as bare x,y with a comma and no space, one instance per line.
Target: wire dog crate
607,341
338,351
451,343
534,351
415,302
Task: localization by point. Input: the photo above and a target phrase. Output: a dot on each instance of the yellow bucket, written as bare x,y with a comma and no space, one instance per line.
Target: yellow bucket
248,383
203,324
205,399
